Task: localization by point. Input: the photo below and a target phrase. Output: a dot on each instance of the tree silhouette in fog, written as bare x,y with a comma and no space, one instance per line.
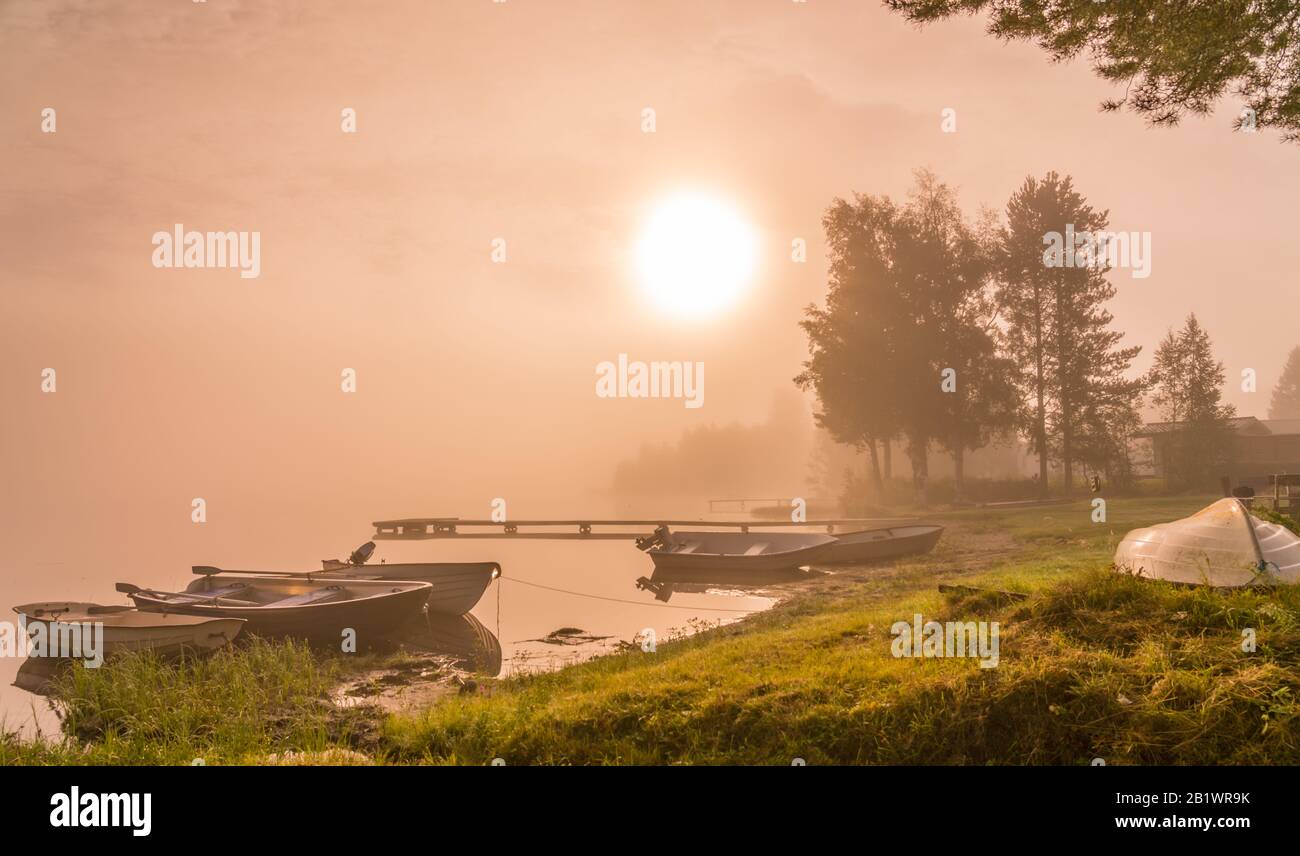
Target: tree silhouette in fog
904,345
1188,391
1285,403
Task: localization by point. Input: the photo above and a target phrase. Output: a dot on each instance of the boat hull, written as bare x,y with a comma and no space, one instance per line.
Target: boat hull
877,545
1223,545
736,552
372,610
125,629
456,586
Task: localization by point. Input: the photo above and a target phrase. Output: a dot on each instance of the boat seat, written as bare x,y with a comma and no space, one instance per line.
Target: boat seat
321,595
756,549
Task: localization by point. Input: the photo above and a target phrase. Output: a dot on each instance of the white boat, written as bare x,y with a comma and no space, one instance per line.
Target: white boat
875,545
1221,545
733,551
128,629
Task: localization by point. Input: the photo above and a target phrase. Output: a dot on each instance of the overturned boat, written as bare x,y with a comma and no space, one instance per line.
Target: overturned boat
744,552
878,545
317,610
1222,545
128,629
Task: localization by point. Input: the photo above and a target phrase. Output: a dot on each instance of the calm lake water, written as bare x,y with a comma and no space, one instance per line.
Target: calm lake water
546,585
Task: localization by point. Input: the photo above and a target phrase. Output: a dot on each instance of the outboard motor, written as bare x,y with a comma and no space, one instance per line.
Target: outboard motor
362,554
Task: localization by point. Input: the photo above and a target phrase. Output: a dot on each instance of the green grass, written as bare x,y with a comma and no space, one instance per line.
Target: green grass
238,705
1100,665
1093,664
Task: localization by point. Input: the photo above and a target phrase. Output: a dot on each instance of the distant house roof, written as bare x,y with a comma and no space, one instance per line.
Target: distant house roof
1240,424
1282,426
1244,425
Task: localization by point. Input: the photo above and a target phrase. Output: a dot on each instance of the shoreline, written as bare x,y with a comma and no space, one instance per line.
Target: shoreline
1093,664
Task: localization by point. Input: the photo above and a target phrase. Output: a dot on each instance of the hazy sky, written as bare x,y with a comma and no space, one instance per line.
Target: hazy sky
519,120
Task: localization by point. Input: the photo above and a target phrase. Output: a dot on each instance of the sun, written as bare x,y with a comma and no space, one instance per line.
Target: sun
696,255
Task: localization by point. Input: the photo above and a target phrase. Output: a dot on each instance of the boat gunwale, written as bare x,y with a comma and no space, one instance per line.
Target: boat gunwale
360,572
175,620
271,608
829,540
929,529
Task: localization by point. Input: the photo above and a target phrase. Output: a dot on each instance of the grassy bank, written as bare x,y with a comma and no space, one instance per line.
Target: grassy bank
1091,665
240,705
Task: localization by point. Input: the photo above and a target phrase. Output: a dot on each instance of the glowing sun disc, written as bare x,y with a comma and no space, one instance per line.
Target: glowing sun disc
696,255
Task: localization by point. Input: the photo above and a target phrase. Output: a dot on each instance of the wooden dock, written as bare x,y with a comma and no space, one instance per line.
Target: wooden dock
594,529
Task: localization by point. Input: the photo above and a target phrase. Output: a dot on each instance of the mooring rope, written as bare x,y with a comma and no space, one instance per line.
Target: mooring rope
616,599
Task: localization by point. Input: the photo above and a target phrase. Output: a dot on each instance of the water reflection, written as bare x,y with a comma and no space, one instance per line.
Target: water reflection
37,674
473,646
663,584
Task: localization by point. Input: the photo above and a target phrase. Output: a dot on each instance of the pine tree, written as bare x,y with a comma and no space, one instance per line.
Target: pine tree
1168,379
1057,327
1188,384
1285,403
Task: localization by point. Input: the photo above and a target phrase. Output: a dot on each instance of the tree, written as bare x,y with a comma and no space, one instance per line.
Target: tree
1173,58
1107,425
1167,378
1285,403
907,299
1188,392
982,404
851,340
1023,297
980,397
941,274
1057,329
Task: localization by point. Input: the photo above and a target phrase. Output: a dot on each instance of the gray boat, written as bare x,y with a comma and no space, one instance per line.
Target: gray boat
456,586
744,552
876,545
317,610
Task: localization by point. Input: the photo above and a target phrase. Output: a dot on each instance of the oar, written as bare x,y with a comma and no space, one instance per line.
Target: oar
209,571
358,558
